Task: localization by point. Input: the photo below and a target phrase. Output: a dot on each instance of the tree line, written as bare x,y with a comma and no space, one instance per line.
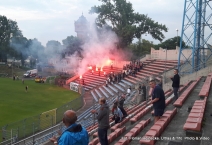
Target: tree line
116,15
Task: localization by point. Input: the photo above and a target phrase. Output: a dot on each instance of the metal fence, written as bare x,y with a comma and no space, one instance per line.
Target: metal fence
14,132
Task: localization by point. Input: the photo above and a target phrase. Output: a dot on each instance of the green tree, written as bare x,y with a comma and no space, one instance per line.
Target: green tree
53,47
170,43
71,44
141,48
126,23
8,30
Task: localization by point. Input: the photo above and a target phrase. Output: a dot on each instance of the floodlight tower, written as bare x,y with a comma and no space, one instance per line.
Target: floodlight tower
196,33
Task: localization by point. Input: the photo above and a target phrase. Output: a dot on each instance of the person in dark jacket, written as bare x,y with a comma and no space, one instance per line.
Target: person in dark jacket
175,83
103,121
121,105
158,100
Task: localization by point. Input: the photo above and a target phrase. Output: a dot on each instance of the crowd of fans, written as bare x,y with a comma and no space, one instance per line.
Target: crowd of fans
118,111
129,69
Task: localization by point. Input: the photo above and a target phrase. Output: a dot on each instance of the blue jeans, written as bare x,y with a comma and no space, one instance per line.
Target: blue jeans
102,133
175,93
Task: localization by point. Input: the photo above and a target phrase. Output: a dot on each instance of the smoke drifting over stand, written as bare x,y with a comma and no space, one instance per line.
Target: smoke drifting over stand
98,50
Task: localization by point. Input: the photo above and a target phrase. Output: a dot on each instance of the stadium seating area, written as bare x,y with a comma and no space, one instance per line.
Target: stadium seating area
138,130
138,127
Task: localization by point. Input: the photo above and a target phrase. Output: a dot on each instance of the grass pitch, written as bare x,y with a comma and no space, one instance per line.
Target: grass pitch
16,104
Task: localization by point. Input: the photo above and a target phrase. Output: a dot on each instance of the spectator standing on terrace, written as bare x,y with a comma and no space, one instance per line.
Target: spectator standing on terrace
74,134
175,83
121,105
117,114
99,72
106,83
128,91
158,100
103,121
139,89
143,88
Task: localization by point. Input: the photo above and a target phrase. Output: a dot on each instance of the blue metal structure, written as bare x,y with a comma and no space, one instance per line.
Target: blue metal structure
196,33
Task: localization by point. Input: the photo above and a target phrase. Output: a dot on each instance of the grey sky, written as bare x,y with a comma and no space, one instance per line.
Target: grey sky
54,19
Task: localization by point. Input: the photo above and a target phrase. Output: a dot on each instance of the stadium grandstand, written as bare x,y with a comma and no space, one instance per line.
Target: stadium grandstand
185,121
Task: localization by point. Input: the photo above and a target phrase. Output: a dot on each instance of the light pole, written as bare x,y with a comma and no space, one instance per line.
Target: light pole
177,36
164,77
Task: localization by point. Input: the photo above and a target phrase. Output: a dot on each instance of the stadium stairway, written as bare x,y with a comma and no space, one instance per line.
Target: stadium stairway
174,130
175,127
113,90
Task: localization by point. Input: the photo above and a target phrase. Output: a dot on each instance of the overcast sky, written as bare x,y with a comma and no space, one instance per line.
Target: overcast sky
54,19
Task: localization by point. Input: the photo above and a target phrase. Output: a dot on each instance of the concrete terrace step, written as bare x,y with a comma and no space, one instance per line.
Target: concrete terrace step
122,84
88,83
97,92
108,90
144,74
112,88
149,72
126,82
158,68
130,80
153,70
136,78
167,63
88,87
117,86
96,77
103,92
93,83
94,96
138,75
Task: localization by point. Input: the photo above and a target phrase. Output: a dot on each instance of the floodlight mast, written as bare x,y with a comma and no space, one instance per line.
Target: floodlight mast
195,34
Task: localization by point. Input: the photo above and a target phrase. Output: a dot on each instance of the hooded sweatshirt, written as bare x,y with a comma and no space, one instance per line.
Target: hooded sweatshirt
78,137
103,116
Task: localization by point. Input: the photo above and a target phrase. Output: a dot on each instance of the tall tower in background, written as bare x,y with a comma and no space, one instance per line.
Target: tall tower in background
196,33
82,28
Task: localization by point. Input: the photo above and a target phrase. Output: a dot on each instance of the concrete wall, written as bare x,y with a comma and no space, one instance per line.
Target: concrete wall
170,54
187,78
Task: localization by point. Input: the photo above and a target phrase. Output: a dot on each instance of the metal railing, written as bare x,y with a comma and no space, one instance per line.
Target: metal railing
35,125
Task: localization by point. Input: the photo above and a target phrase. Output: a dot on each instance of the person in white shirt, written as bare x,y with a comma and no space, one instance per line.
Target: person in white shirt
128,91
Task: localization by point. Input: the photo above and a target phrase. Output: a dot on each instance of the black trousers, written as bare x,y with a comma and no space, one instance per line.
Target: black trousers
123,111
116,118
